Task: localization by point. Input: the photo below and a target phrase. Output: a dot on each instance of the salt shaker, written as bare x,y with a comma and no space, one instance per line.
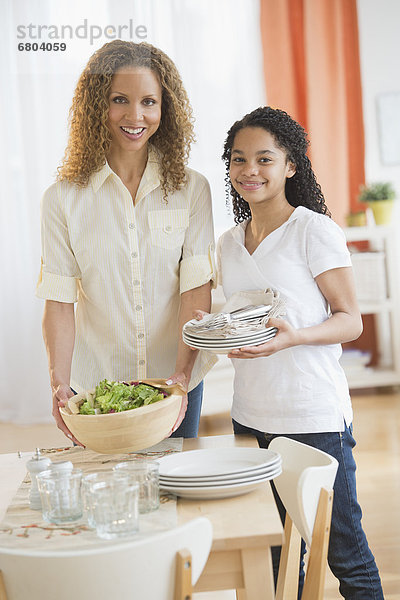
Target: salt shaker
62,466
35,465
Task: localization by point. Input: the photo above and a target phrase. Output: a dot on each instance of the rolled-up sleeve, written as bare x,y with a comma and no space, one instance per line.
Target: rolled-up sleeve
59,273
197,265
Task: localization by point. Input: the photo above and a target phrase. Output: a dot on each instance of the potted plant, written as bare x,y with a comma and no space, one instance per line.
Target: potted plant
379,197
356,219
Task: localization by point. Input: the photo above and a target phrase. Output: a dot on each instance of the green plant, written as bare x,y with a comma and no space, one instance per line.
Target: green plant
377,191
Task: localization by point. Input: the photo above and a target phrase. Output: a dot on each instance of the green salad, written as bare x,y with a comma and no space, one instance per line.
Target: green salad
114,396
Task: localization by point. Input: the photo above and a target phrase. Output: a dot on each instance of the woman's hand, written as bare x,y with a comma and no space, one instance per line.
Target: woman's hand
61,394
286,337
181,380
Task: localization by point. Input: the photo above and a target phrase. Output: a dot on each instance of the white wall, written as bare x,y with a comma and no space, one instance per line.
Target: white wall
380,52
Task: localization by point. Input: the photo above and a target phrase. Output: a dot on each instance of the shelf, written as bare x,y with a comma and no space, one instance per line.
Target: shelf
372,377
361,234
372,308
384,241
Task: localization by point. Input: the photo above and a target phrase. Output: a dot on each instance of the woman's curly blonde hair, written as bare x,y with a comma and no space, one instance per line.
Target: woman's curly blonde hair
89,137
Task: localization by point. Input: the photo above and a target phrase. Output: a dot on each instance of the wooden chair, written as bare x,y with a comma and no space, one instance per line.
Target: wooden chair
305,488
161,567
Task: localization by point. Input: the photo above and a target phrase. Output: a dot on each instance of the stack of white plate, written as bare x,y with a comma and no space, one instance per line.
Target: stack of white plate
218,473
218,345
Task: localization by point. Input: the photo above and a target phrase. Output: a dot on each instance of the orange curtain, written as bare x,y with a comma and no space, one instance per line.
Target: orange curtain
312,70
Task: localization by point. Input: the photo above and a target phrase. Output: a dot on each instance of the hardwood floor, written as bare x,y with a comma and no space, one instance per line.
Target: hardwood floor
377,431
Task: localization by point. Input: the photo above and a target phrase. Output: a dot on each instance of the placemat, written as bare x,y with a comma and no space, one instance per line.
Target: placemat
25,528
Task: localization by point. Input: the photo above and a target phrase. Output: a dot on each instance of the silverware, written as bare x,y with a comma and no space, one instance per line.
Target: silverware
247,314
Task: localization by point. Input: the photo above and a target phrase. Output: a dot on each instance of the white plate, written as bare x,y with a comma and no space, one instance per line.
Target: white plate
232,338
210,493
219,350
172,484
221,478
229,343
225,345
216,461
243,335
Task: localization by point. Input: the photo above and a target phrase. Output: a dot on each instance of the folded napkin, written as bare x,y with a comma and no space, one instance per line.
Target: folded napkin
254,297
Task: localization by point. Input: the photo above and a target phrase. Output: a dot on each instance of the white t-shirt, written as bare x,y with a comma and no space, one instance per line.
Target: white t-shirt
301,389
126,265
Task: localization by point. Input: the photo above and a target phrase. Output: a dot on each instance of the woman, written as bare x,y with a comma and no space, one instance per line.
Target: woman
284,239
127,233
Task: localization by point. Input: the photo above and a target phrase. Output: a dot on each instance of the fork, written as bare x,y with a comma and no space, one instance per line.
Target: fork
245,314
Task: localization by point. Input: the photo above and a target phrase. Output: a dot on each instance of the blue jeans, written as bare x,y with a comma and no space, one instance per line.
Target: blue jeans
189,428
349,556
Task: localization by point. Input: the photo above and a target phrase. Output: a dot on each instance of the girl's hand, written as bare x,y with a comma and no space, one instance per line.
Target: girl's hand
286,337
61,394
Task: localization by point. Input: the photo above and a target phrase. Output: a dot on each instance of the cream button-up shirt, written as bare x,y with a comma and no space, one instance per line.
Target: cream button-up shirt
126,265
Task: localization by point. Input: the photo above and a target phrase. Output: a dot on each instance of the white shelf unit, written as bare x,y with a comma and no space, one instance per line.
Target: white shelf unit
381,238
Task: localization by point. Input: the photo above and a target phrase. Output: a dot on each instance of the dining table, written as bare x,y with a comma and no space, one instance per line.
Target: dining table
245,527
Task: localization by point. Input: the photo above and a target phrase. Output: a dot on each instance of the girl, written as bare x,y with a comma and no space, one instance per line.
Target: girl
127,233
284,239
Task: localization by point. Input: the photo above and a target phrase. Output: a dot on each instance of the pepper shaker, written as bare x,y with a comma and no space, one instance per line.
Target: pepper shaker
35,465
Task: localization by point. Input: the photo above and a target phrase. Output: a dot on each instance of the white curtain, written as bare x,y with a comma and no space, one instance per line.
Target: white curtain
217,48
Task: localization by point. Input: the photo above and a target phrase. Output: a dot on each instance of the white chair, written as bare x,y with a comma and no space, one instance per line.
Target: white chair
160,567
305,488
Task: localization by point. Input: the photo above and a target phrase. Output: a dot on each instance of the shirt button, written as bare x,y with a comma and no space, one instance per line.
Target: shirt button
136,282
134,254
140,336
138,307
168,228
131,225
141,362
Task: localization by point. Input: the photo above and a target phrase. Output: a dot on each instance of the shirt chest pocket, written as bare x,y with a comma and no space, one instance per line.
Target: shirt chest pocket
168,227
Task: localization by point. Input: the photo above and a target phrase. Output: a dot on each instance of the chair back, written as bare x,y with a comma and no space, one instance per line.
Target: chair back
305,472
138,569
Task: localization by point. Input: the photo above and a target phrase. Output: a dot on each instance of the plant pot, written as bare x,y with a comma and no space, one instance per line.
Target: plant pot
358,219
382,211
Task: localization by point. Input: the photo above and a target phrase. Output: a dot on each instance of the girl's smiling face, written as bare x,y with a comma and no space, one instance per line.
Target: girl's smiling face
135,108
259,167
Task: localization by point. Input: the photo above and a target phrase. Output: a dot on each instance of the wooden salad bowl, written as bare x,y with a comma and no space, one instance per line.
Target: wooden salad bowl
127,431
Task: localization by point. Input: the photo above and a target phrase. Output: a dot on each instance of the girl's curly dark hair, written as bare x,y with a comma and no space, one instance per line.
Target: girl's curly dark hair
302,189
89,137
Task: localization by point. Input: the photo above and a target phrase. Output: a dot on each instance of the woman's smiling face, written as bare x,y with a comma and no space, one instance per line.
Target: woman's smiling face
259,167
135,108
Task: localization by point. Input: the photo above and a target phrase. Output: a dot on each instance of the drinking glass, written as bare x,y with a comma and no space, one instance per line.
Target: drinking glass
115,506
60,493
145,473
87,498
